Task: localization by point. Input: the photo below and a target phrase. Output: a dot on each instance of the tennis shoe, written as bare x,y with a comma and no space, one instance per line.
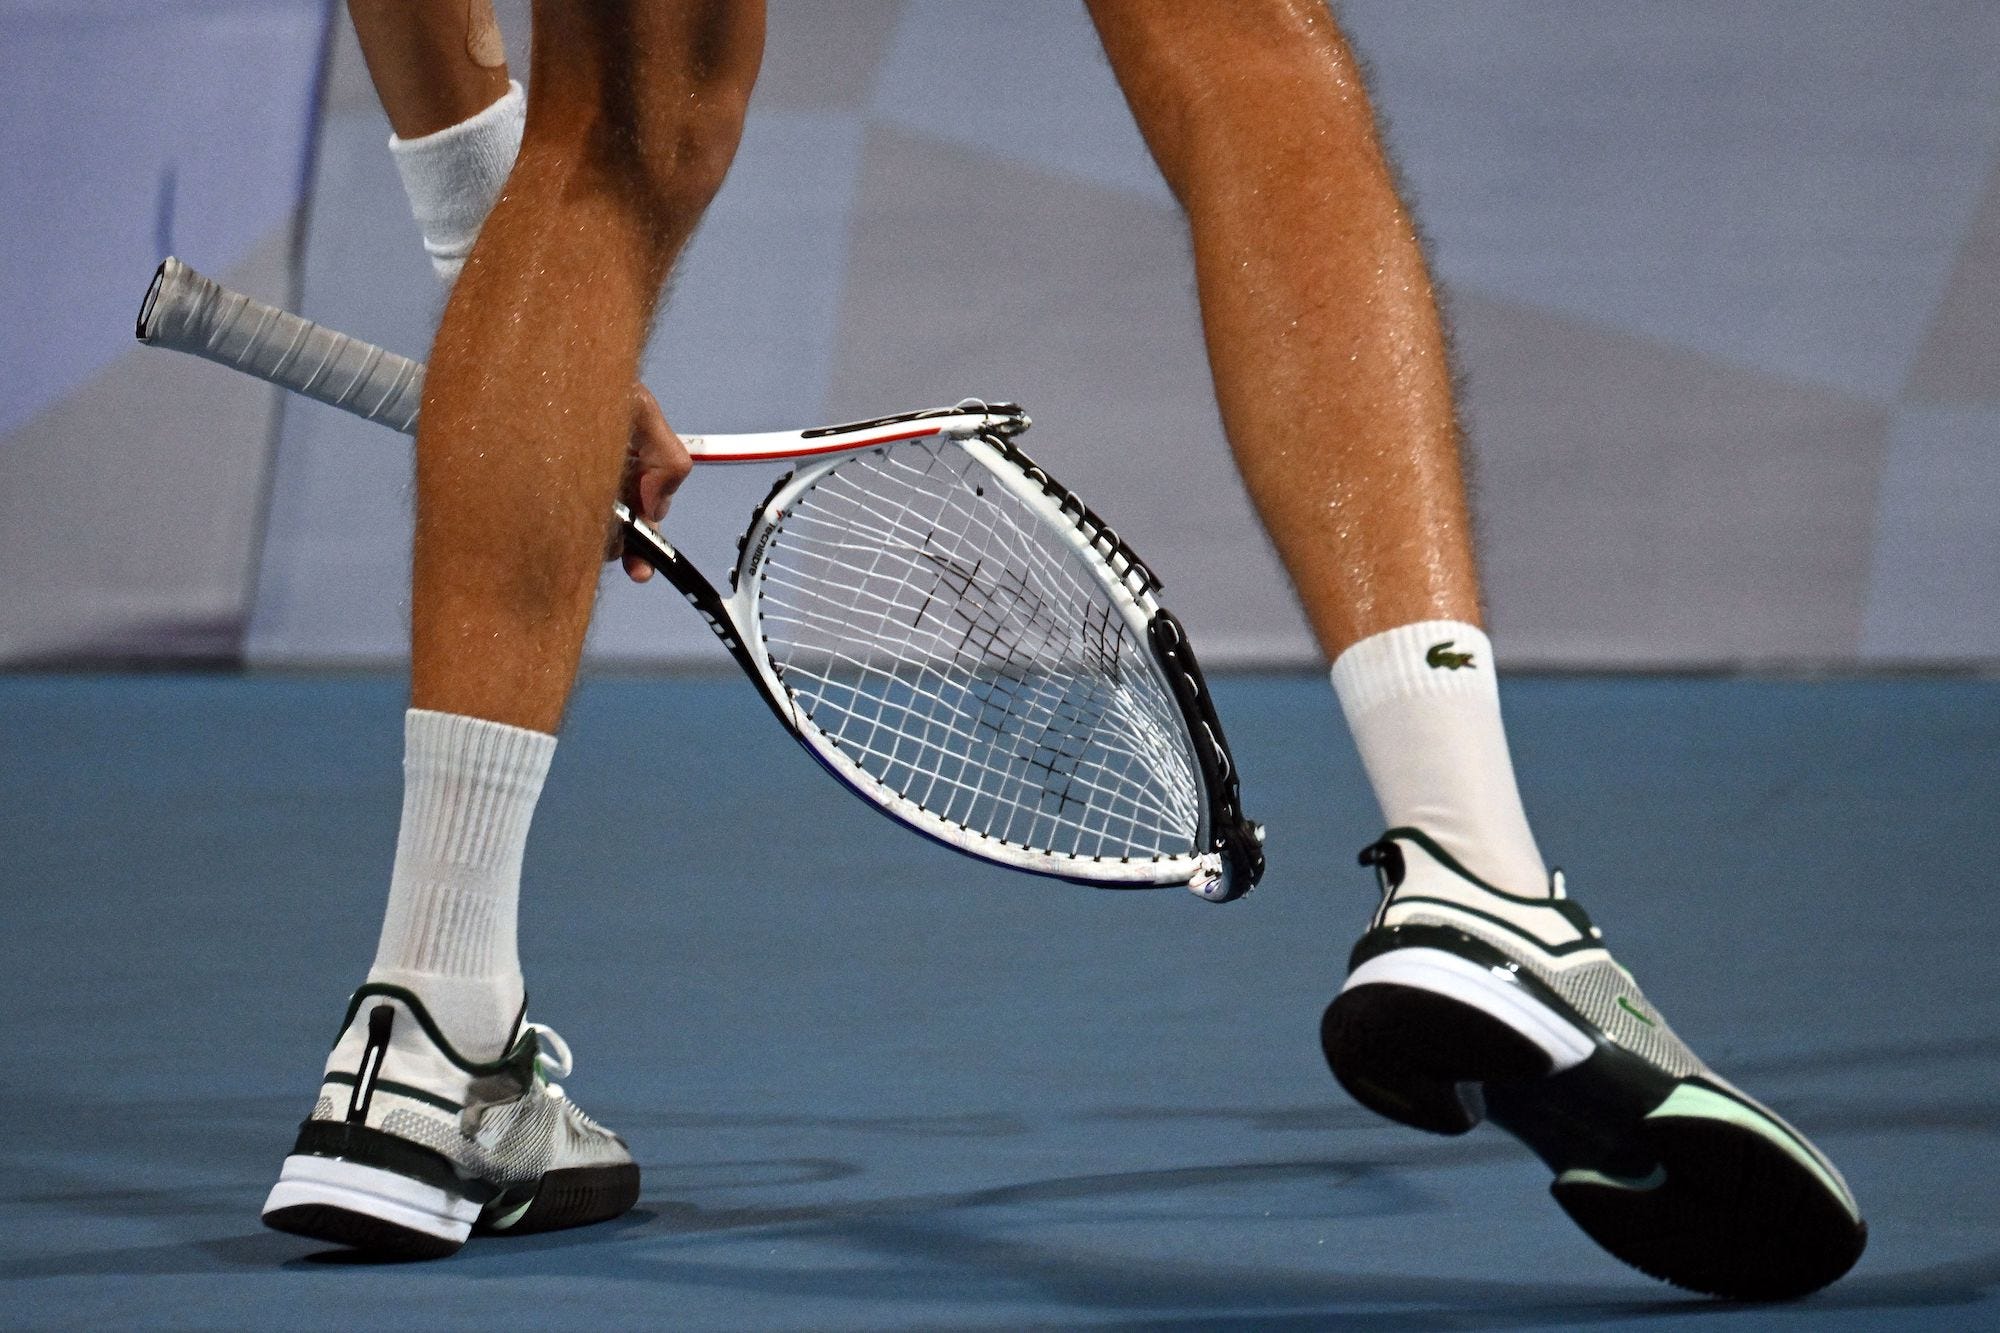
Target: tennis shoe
411,1146
1465,1002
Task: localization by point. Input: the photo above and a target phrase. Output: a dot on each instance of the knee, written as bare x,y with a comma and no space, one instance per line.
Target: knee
667,167
1215,89
688,160
667,159
641,108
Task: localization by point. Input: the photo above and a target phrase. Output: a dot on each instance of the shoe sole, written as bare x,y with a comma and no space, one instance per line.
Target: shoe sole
345,1201
571,1197
366,1208
1684,1180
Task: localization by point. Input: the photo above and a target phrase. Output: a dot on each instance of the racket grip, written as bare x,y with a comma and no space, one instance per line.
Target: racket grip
190,313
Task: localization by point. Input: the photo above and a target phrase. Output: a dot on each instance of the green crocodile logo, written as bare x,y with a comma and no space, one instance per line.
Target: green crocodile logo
1442,657
1626,1005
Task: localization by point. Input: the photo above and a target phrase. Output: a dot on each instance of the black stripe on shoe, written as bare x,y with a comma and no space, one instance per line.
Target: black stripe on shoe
381,1021
372,1147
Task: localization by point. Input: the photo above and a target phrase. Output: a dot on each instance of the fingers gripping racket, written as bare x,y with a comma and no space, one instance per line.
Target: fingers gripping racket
948,630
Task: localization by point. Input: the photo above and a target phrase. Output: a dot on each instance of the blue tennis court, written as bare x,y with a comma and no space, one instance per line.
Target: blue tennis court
874,1085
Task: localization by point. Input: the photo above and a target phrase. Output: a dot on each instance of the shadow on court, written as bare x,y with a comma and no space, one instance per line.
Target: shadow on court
873,1085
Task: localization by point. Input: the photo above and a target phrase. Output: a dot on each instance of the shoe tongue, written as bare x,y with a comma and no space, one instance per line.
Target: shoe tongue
520,1058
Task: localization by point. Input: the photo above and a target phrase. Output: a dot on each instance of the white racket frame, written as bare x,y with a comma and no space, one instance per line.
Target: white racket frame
1129,590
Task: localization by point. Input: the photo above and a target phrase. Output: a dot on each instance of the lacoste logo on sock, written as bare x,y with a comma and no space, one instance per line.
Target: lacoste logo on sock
1442,657
1626,1005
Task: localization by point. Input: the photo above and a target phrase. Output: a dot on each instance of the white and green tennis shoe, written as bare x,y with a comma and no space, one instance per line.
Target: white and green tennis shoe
411,1146
1464,1002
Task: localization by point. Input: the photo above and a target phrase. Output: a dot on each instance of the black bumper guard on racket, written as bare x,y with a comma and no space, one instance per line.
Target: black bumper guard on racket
1239,841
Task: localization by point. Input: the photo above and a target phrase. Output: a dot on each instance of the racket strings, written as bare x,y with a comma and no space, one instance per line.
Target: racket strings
940,636
944,724
1063,721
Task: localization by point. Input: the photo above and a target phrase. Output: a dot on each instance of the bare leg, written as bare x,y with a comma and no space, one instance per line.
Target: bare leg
434,62
634,113
1323,334
529,425
527,415
1330,368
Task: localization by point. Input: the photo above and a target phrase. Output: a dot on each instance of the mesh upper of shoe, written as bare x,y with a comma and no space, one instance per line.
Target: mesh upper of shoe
1588,978
511,1125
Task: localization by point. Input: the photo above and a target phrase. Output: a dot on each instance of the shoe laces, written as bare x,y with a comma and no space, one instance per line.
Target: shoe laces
552,1057
552,1061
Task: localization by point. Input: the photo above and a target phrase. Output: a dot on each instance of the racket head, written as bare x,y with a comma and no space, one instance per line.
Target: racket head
969,648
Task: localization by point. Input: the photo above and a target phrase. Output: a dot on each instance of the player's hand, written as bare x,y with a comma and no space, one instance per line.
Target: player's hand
656,464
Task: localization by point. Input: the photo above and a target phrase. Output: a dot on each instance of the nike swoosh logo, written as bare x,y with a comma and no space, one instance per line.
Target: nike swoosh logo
1626,1005
1441,657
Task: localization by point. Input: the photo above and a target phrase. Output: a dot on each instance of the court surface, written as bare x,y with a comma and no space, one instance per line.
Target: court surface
874,1085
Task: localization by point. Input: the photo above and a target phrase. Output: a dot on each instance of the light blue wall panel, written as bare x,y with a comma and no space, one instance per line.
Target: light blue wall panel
132,131
1723,274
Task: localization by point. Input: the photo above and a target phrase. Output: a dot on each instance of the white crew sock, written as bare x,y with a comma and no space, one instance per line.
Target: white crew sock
453,177
1424,708
469,790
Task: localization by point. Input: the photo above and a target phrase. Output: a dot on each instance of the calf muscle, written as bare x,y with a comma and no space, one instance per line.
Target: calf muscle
1323,333
633,115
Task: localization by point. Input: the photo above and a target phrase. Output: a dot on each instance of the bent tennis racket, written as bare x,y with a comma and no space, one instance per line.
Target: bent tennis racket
943,626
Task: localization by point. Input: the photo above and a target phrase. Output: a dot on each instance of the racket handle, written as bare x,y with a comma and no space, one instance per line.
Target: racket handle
190,313
187,312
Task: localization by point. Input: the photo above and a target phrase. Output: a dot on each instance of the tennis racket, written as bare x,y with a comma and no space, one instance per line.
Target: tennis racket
943,626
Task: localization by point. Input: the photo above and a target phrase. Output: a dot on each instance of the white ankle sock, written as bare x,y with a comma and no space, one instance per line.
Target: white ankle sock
453,177
469,790
1424,708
